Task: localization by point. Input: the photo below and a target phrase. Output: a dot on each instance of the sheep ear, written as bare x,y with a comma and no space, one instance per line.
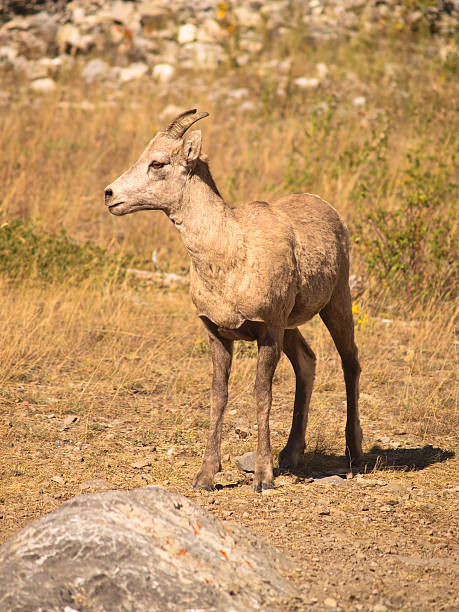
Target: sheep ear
191,148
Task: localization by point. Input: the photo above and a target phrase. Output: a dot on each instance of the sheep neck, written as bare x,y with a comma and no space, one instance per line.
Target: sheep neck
207,226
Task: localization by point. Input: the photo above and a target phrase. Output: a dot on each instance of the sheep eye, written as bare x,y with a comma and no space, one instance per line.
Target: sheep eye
156,165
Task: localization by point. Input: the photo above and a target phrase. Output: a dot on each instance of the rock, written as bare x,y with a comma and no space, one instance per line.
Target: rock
210,32
359,101
163,72
141,463
53,65
248,106
246,462
43,86
322,70
132,72
332,480
69,36
239,94
247,17
8,53
35,70
330,602
153,17
70,419
121,13
205,55
146,549
186,33
306,83
95,69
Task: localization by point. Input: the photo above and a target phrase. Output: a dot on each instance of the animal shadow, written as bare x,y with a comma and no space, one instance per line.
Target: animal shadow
316,464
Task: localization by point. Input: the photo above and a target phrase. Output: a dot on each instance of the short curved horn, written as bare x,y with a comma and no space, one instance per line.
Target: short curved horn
178,126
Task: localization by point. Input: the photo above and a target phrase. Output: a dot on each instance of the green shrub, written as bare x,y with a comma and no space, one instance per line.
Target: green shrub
412,248
28,252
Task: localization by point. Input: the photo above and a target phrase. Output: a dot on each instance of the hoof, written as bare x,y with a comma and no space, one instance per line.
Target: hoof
203,481
203,487
258,487
289,460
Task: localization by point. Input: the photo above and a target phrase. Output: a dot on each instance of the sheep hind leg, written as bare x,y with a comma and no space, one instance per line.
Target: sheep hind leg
337,316
222,354
303,361
269,352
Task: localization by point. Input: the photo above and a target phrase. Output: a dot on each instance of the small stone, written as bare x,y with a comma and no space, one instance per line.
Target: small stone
379,607
242,433
246,462
306,83
322,70
69,35
69,420
35,70
43,86
247,106
248,17
359,101
186,33
94,69
8,53
210,32
52,64
239,94
332,480
324,511
330,602
132,72
163,72
141,463
58,479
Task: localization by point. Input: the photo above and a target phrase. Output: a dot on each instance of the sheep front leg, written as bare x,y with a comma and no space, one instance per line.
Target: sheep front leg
222,354
269,352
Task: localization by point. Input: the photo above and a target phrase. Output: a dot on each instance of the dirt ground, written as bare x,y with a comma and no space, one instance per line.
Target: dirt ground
126,405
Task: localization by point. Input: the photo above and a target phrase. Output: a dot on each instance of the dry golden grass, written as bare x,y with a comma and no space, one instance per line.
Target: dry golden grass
130,361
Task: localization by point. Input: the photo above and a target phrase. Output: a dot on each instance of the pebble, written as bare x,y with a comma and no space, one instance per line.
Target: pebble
359,101
95,69
306,83
163,72
186,33
246,462
43,86
332,480
132,72
330,602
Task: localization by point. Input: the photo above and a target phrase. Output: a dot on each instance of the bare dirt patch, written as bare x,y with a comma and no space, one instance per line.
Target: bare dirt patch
90,406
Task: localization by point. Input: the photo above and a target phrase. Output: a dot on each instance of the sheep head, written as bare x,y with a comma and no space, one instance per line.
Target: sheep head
157,179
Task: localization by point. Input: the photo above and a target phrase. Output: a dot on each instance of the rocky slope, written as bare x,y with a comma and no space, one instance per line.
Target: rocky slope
127,40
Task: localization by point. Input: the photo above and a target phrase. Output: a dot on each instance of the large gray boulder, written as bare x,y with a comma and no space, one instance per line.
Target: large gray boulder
146,549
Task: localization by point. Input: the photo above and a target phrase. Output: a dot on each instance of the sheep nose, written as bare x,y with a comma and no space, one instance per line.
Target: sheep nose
108,194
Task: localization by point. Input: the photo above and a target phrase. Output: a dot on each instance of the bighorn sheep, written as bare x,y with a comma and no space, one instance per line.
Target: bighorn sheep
258,271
